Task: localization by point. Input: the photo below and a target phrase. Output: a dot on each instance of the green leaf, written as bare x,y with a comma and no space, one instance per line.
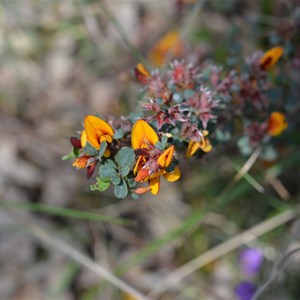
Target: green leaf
164,140
159,145
106,171
69,156
103,184
188,93
102,149
118,134
65,212
125,171
111,163
121,190
116,179
75,151
90,150
125,157
135,116
177,97
134,196
73,154
131,181
171,167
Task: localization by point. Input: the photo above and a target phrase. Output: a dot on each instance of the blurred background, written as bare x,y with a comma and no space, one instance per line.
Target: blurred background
62,60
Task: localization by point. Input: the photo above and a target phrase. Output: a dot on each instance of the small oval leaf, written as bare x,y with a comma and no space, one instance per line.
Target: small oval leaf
121,190
90,150
107,171
119,134
125,157
115,179
124,171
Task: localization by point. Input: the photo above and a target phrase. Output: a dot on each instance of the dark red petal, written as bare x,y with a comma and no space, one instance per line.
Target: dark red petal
90,170
75,142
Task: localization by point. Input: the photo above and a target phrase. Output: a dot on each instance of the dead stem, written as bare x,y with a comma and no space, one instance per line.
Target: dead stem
223,249
50,240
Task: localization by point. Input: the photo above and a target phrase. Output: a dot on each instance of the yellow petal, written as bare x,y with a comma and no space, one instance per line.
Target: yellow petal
83,138
95,128
270,58
205,145
165,159
192,148
143,134
154,185
171,177
276,124
106,153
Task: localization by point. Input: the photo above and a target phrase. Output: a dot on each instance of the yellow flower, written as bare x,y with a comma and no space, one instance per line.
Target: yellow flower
170,43
95,132
152,162
204,145
270,58
276,124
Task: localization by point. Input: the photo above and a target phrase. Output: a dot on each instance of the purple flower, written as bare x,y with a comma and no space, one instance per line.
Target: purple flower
250,260
245,290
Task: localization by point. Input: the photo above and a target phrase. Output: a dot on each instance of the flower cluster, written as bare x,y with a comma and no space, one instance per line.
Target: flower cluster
250,263
187,108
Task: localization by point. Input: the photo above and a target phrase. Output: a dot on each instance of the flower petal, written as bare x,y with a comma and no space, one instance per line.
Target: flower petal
205,145
141,73
270,58
154,185
96,128
192,148
276,124
171,177
81,162
143,134
83,139
142,175
142,190
166,157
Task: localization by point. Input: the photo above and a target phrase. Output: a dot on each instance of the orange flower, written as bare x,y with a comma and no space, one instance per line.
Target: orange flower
152,162
86,161
204,145
170,43
276,124
270,58
81,162
95,132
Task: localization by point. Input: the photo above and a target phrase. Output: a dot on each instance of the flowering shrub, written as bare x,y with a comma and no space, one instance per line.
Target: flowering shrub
187,109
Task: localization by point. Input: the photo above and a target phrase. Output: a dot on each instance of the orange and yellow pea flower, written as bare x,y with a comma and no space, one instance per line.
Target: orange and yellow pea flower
95,132
152,162
170,43
204,145
270,58
276,123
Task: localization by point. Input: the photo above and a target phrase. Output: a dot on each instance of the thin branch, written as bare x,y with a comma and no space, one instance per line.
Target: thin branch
138,55
189,20
223,249
68,250
242,172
